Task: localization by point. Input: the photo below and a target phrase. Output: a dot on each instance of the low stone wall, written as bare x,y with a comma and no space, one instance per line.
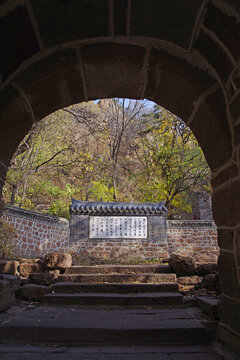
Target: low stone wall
195,238
37,234
124,250
191,237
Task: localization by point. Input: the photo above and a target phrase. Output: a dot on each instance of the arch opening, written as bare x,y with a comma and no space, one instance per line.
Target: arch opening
208,101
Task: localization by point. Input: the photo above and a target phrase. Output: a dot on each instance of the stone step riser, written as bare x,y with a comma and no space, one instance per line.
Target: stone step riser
119,278
70,288
125,300
119,269
96,336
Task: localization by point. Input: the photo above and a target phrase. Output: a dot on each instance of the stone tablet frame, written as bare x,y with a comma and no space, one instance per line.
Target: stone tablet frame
114,227
80,212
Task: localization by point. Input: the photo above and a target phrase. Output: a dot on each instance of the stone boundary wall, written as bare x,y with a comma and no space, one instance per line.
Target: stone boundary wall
124,249
120,249
192,237
188,237
39,234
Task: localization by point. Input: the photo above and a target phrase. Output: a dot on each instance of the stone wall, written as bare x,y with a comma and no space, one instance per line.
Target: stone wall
191,237
188,237
41,233
205,206
154,245
124,249
37,234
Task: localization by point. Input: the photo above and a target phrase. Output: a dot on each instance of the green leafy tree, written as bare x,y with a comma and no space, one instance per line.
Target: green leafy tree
172,161
115,149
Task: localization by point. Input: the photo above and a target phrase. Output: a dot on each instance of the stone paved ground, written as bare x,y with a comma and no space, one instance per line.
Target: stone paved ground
27,352
34,317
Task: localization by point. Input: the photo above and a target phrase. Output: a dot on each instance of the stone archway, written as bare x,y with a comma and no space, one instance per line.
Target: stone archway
182,55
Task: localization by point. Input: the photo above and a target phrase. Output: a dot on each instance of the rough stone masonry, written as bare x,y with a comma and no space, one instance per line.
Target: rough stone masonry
38,234
114,229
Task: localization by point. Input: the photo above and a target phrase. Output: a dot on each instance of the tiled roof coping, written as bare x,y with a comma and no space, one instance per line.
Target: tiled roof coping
116,208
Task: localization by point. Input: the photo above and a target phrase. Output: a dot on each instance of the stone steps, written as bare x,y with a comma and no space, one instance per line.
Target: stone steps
119,269
73,287
59,325
124,300
118,285
118,278
209,305
7,297
116,289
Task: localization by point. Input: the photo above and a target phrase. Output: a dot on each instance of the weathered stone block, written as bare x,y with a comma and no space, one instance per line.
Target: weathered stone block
235,108
230,338
64,261
226,174
7,297
206,259
214,54
30,261
236,132
45,79
186,288
43,278
211,280
16,120
33,292
229,313
113,70
71,20
55,272
13,49
225,27
14,281
9,267
25,281
26,269
153,19
182,265
57,261
204,269
164,69
209,305
225,239
125,254
230,197
189,280
217,129
229,283
120,17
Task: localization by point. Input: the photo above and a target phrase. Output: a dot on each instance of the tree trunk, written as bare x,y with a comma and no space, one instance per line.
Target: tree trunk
13,195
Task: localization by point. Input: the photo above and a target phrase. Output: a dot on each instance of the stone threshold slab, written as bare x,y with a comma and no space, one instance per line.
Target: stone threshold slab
110,269
74,287
146,299
77,326
119,278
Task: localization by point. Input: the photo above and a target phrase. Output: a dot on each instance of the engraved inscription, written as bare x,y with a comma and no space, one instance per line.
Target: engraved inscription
121,227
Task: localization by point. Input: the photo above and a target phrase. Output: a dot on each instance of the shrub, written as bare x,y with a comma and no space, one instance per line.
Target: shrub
7,239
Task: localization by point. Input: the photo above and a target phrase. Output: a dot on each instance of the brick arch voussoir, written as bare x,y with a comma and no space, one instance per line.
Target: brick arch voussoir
101,70
210,124
16,120
62,78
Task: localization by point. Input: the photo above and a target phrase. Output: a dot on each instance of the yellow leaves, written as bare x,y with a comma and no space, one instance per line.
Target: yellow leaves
156,157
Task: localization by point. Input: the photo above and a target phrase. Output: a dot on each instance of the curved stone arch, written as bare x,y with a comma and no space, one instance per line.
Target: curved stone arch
53,53
104,70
